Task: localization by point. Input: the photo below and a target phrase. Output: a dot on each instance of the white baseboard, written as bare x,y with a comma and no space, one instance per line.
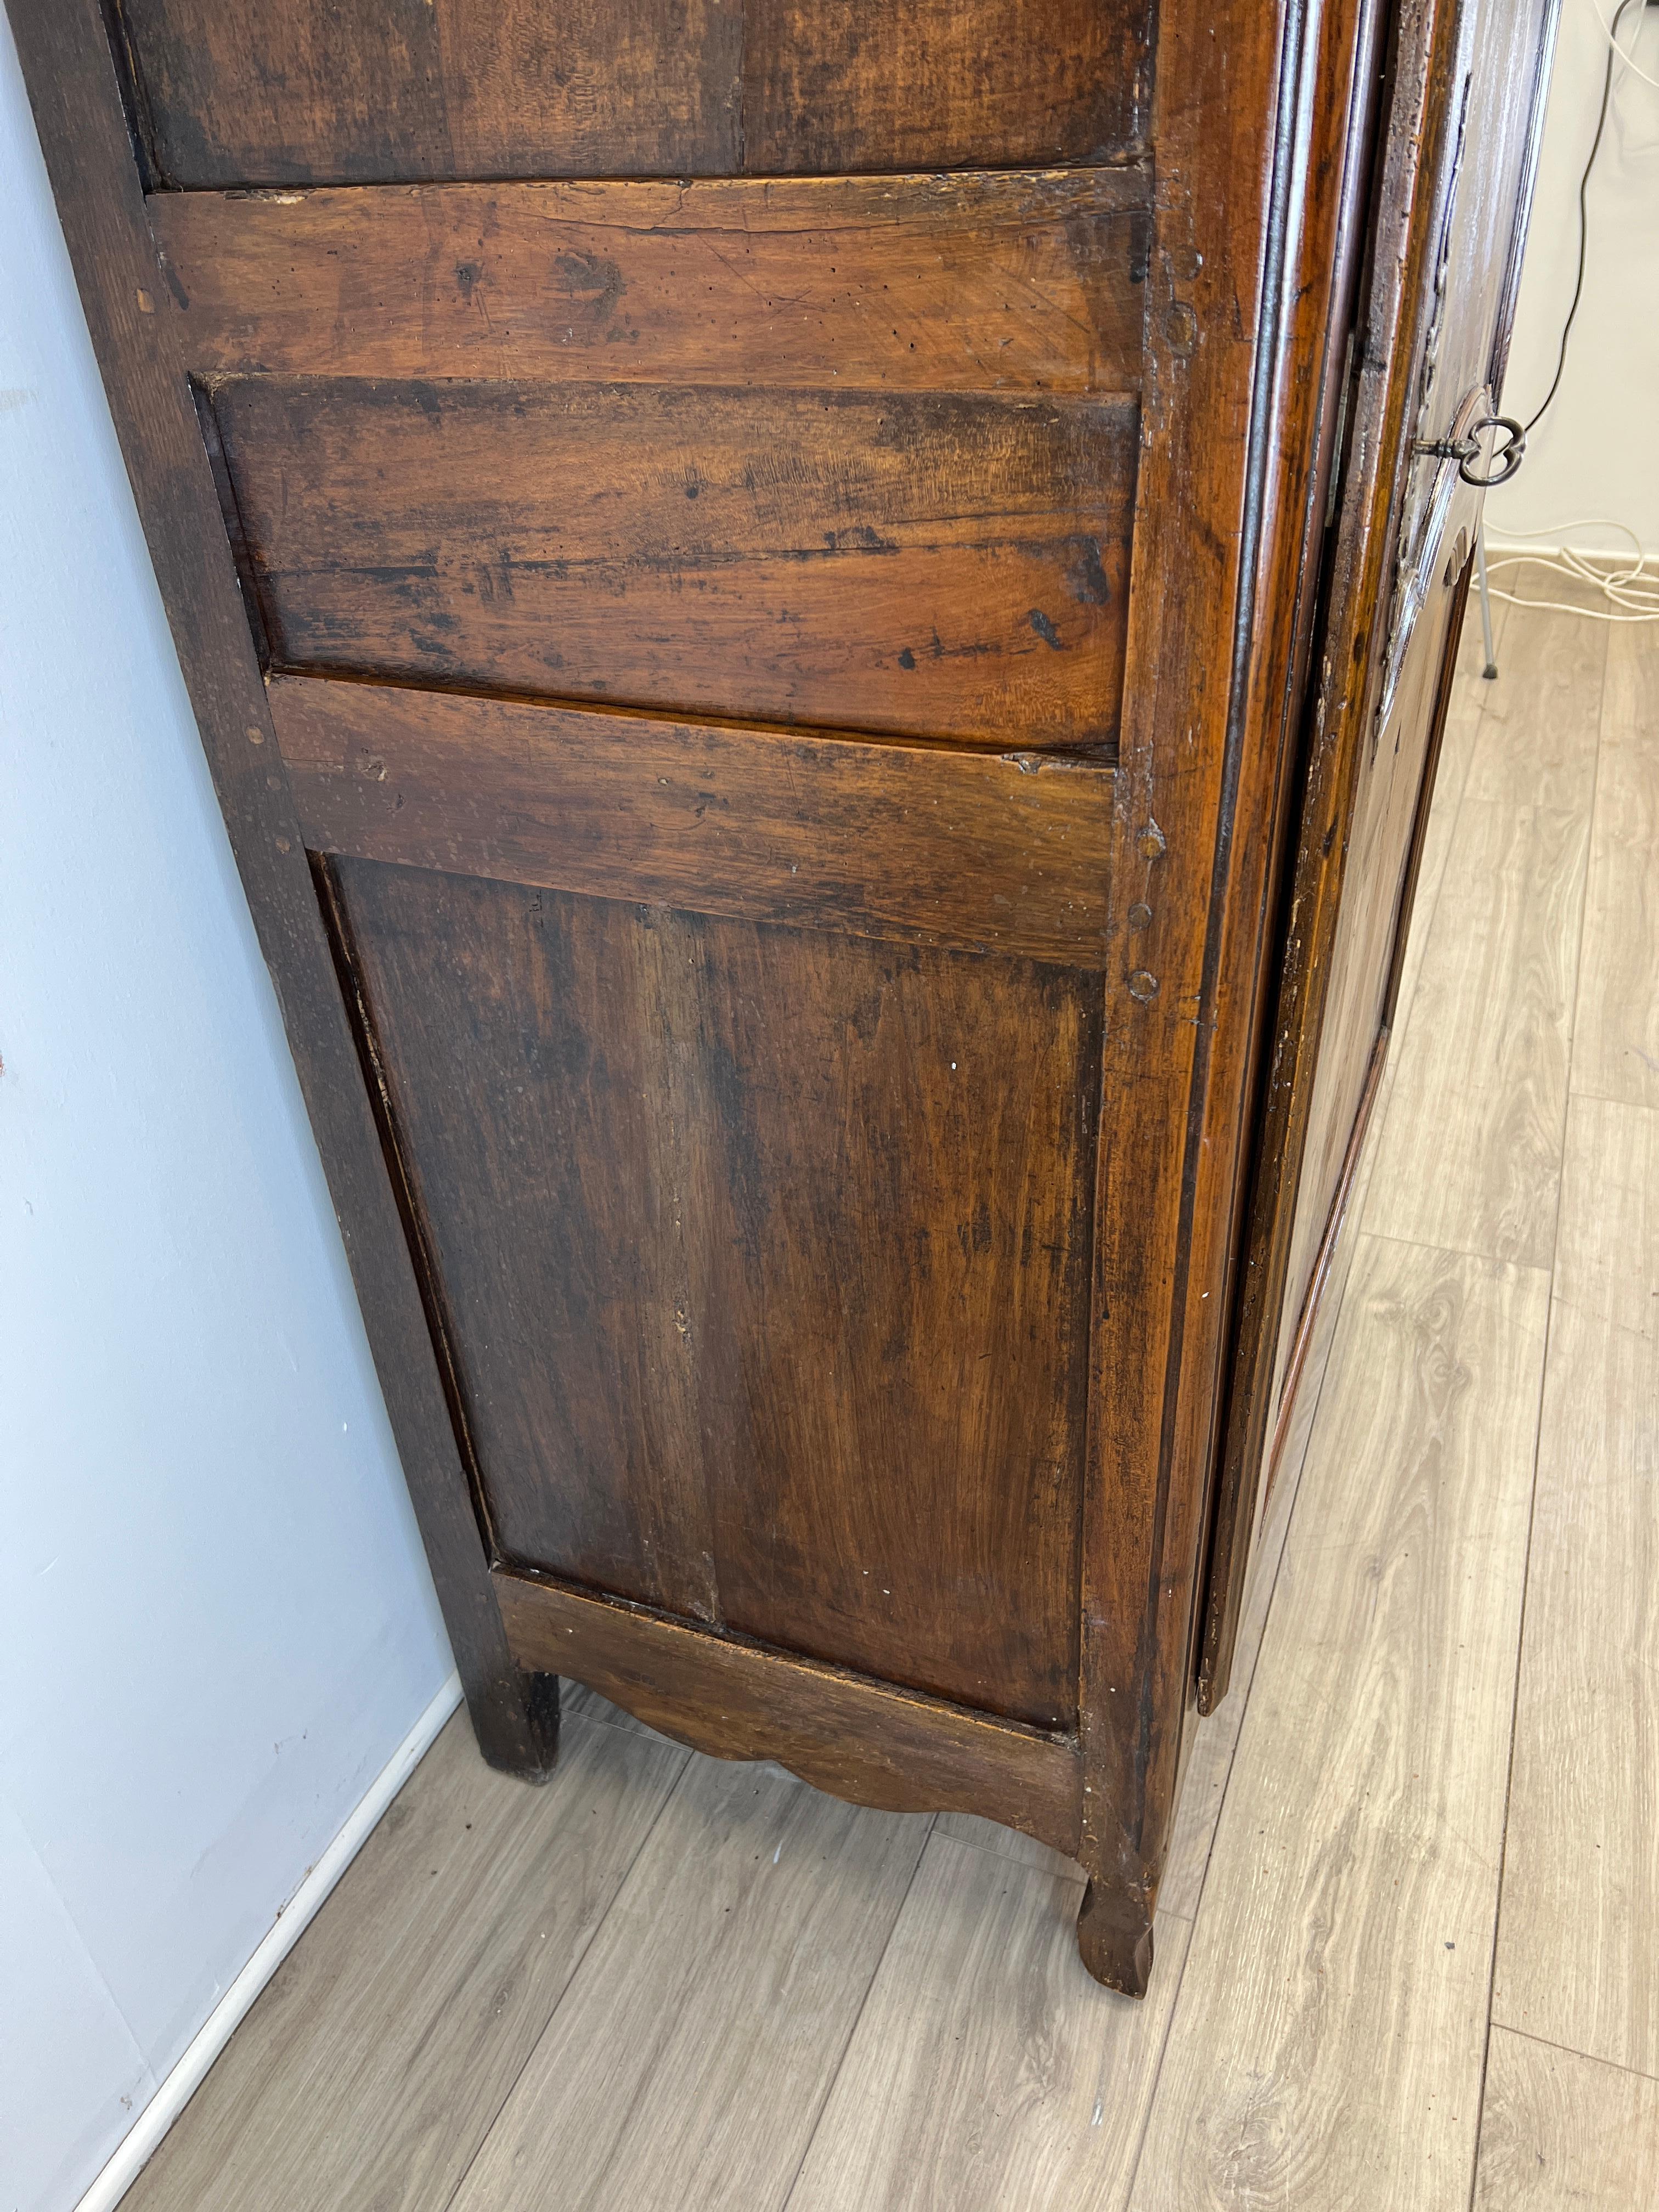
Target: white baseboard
138,2144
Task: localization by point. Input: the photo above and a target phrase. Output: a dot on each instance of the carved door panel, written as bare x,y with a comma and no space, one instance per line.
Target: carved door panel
1431,345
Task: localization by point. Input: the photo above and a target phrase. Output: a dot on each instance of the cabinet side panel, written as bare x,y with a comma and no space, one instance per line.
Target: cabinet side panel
764,1252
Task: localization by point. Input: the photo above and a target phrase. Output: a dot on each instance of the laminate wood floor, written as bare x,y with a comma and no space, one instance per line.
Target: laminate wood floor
1408,1942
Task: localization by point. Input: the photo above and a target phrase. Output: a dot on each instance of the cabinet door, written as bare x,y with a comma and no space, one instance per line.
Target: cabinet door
694,616
1449,224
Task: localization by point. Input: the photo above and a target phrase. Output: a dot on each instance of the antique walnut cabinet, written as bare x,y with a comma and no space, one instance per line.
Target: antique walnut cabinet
822,626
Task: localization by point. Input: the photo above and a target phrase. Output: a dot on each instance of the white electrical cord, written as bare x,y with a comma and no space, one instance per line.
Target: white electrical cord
1634,69
1629,593
1623,581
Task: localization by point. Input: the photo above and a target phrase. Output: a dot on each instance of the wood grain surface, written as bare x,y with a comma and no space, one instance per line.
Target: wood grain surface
1579,1947
976,283
1199,769
284,92
377,2059
1484,1179
1561,2133
945,564
1354,1885
1213,1749
1449,190
1615,1040
913,843
982,2072
862,1740
931,84
1385,834
763,1254
743,1307
1387,810
1470,695
687,2066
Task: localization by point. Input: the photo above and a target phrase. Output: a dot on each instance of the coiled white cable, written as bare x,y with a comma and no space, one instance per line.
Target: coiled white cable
1628,583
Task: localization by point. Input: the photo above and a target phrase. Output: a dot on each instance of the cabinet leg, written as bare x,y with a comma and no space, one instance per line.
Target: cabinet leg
1115,1936
515,1718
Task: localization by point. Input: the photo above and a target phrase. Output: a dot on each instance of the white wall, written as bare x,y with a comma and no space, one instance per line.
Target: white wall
1596,452
215,1623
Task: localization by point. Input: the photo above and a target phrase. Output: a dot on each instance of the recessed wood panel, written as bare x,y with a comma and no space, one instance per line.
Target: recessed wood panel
1018,282
906,1162
281,92
945,565
918,84
910,842
764,1258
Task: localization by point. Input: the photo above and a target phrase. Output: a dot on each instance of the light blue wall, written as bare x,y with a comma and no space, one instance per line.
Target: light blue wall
215,1623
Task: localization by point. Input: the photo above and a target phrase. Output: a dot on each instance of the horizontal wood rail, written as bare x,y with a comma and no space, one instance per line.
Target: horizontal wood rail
1028,280
843,1733
926,845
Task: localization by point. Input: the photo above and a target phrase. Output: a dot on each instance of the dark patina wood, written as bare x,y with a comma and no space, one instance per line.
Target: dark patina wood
949,565
980,851
287,91
858,1738
791,612
1009,281
702,1370
1456,169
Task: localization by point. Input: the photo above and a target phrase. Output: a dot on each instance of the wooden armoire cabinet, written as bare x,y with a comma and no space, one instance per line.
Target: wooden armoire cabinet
822,629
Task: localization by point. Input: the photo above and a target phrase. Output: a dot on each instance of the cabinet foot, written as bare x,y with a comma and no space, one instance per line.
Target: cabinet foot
516,1722
1114,1936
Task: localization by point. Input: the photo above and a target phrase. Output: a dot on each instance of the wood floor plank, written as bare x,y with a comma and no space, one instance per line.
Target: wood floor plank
1209,1763
1562,2133
373,2065
989,2072
1540,722
1471,1155
1578,1939
691,2055
1008,1844
1327,2041
1615,1052
1472,694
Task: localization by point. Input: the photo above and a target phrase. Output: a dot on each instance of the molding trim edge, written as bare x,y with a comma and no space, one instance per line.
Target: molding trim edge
139,2144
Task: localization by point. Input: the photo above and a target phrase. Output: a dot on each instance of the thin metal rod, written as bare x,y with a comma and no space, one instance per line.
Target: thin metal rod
1491,668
